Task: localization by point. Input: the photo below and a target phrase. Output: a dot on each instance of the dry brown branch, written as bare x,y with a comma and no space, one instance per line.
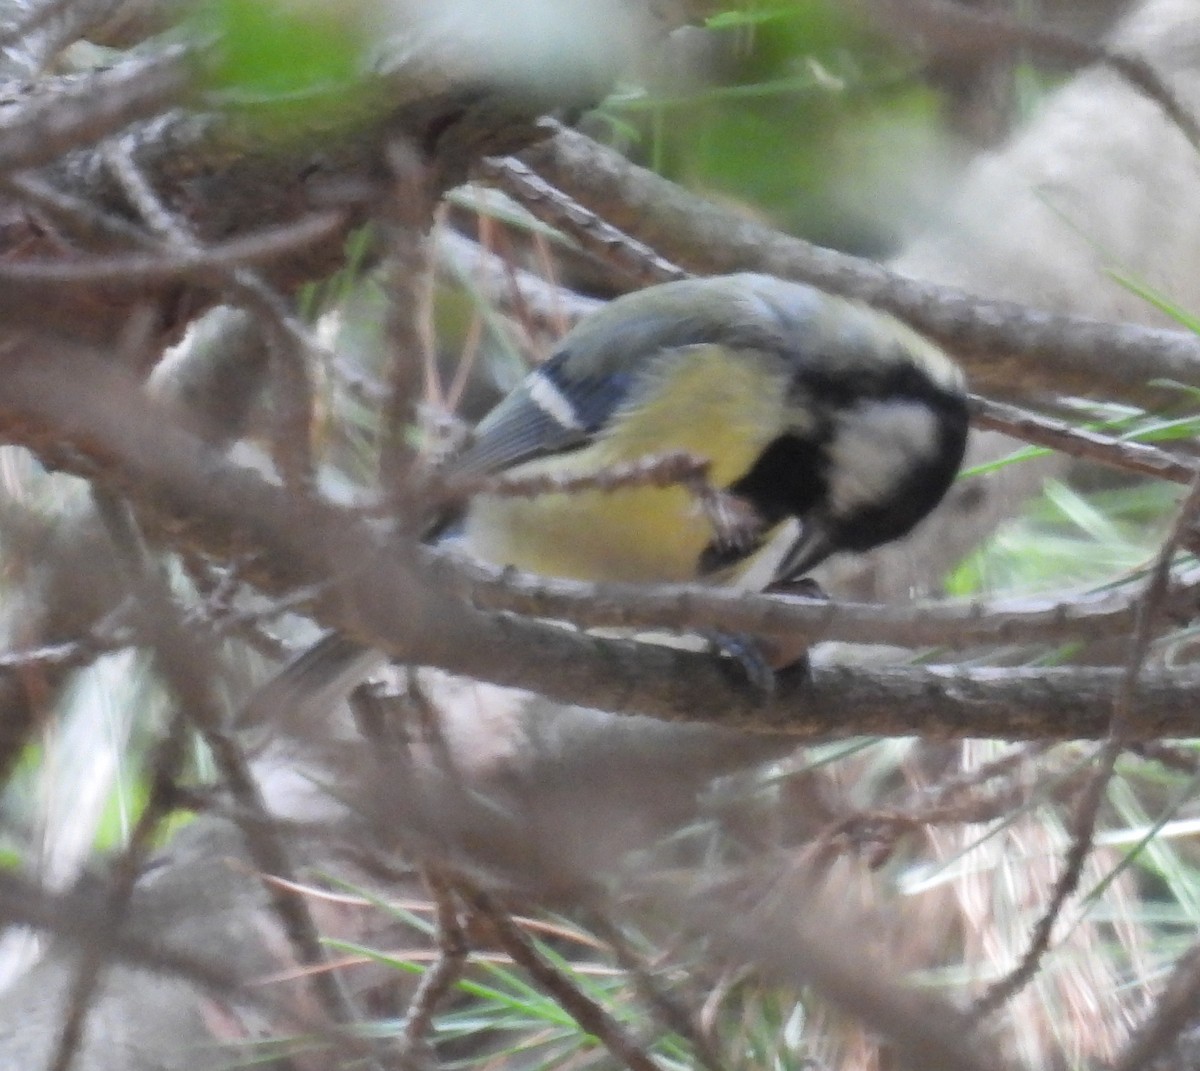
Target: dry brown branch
1150,607
665,1006
77,600
637,262
196,935
548,307
72,655
1174,1010
408,325
586,1012
78,217
1140,458
967,30
79,918
1083,827
1001,343
86,108
882,829
302,551
289,341
48,26
948,623
388,601
218,173
1181,759
440,977
661,470
823,946
165,770
205,265
1083,824
189,667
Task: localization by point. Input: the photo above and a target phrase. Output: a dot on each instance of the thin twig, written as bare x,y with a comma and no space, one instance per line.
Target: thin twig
734,522
290,342
61,23
439,977
81,415
1172,1013
118,157
165,769
411,375
208,264
676,467
75,917
953,624
81,218
166,765
586,1012
538,303
85,109
1083,823
1003,344
1178,1001
971,30
1002,766
671,1013
431,724
74,654
267,851
1183,760
633,259
881,829
956,800
797,936
1141,458
1157,590
189,668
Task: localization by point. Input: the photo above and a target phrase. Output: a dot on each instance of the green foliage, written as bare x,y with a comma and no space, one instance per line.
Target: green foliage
275,48
812,119
294,66
495,1000
1068,539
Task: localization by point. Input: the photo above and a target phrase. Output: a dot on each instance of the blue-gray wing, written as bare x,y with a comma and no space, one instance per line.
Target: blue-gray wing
563,404
547,413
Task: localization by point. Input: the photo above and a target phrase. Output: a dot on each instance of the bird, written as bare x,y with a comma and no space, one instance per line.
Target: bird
824,425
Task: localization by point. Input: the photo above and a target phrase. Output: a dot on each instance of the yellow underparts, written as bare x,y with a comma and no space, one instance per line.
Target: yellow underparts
704,401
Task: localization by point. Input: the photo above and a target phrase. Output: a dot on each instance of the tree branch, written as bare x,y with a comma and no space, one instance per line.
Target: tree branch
378,592
1006,347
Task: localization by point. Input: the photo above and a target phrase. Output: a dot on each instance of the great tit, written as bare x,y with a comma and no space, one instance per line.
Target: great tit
830,426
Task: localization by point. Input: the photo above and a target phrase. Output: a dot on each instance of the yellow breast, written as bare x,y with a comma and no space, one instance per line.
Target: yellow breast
692,403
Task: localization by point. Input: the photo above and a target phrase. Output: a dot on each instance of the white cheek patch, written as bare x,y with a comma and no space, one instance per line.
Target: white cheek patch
875,446
551,401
